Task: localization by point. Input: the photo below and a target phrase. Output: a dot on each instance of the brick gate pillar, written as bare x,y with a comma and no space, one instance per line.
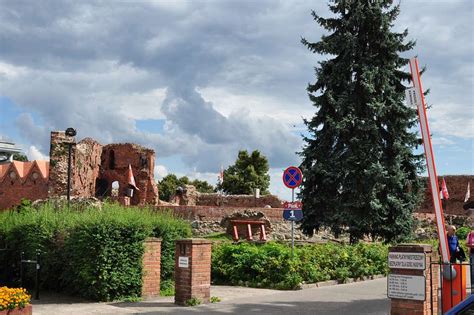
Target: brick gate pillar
192,270
151,268
413,281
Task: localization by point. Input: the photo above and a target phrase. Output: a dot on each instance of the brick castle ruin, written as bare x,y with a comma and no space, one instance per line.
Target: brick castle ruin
94,170
101,171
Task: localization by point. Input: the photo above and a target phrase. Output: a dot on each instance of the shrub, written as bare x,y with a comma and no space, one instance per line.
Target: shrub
112,268
167,288
271,265
268,265
95,253
214,299
194,301
462,233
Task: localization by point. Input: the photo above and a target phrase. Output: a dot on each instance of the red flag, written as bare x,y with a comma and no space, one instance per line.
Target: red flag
444,190
131,178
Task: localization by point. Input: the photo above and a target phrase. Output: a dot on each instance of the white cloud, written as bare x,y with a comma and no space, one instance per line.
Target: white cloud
452,119
209,177
228,102
10,71
223,75
160,172
34,154
135,105
442,141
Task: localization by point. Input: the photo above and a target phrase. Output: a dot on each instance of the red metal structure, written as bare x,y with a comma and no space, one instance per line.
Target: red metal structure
453,271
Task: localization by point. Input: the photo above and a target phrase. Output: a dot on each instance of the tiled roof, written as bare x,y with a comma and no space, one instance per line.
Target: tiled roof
3,169
24,169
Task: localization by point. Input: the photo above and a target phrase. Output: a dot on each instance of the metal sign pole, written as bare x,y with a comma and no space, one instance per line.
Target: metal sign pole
292,226
292,178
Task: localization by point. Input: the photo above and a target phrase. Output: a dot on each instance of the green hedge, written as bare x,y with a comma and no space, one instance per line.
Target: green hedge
270,265
94,253
462,233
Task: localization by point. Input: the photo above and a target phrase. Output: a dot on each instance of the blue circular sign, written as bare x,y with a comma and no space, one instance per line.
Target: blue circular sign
292,177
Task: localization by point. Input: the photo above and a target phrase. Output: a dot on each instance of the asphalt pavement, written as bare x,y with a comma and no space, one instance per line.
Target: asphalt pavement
368,298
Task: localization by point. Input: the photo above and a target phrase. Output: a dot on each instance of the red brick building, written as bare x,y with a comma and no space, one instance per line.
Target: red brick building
94,170
23,180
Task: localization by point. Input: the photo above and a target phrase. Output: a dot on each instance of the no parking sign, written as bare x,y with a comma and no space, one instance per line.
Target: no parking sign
292,177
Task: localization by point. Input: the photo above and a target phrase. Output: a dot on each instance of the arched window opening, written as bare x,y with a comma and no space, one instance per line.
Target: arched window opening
101,188
112,160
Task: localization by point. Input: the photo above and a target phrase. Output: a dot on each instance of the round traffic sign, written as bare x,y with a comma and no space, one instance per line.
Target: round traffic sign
292,177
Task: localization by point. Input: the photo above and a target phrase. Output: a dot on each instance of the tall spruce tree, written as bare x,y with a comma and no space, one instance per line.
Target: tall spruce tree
360,170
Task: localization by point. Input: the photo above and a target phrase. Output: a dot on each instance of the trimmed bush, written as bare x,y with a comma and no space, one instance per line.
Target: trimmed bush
270,265
94,253
462,233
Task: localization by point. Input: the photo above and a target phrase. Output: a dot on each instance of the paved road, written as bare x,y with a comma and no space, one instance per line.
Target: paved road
368,298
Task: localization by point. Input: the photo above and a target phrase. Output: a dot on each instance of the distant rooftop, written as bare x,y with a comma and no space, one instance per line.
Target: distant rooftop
7,149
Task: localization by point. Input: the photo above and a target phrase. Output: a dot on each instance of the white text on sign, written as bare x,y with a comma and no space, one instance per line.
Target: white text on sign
183,262
400,260
295,205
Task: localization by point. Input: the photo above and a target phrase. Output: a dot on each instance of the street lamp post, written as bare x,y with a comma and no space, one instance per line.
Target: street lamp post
71,132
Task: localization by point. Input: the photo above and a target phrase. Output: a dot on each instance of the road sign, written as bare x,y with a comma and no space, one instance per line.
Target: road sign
406,287
293,215
292,211
406,260
293,205
292,177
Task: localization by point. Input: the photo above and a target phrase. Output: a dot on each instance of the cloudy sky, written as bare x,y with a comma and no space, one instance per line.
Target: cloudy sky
199,80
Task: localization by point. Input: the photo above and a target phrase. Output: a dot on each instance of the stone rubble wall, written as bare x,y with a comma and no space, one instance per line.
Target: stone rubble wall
250,201
206,220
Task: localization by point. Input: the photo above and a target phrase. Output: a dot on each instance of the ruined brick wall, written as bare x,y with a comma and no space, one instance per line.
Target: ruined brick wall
238,200
205,220
210,214
19,180
87,155
96,167
58,158
457,187
115,160
93,170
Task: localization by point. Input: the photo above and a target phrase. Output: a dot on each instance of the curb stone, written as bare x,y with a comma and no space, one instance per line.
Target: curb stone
336,282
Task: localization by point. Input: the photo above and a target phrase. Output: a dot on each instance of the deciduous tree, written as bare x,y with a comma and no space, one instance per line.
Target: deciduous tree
249,172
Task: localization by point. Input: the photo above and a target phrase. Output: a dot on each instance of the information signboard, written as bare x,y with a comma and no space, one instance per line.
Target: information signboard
292,211
401,260
183,262
406,287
